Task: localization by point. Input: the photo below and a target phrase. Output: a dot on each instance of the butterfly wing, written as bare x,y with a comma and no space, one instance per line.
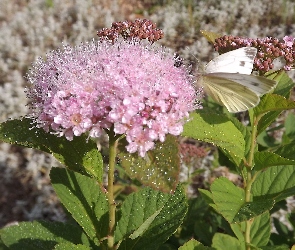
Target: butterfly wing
228,80
236,61
237,92
257,84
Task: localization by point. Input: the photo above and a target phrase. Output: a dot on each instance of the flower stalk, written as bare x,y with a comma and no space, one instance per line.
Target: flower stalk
113,142
250,179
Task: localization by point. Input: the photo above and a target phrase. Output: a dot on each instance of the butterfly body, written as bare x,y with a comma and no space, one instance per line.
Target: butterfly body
228,80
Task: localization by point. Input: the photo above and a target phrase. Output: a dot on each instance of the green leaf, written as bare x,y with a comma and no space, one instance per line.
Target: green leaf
220,241
274,184
218,130
144,226
160,167
281,228
208,197
245,132
266,120
227,197
267,159
194,245
289,126
210,36
84,199
239,230
273,102
229,201
78,155
2,245
285,85
71,246
260,230
287,151
266,140
282,247
291,217
41,235
200,215
252,209
153,215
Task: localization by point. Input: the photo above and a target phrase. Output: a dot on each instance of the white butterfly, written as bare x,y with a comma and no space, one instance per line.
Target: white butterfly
228,80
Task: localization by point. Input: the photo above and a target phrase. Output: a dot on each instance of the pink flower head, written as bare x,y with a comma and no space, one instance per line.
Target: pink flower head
289,40
89,88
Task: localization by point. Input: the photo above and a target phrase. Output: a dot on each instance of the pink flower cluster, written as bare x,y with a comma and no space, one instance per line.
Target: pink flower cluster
97,85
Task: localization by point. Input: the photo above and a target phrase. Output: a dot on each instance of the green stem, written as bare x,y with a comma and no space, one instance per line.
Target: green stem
250,179
113,141
253,143
248,199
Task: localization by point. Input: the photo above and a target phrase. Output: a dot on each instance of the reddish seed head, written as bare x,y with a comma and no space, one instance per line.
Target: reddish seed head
140,29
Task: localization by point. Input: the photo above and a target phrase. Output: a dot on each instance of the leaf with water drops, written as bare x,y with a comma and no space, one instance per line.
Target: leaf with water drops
83,198
274,184
2,245
159,168
287,151
219,130
229,201
252,209
149,218
144,226
78,155
41,235
227,197
245,131
260,230
265,159
194,245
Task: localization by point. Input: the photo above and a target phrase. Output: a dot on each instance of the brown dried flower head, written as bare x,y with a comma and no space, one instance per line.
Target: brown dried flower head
191,152
140,29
